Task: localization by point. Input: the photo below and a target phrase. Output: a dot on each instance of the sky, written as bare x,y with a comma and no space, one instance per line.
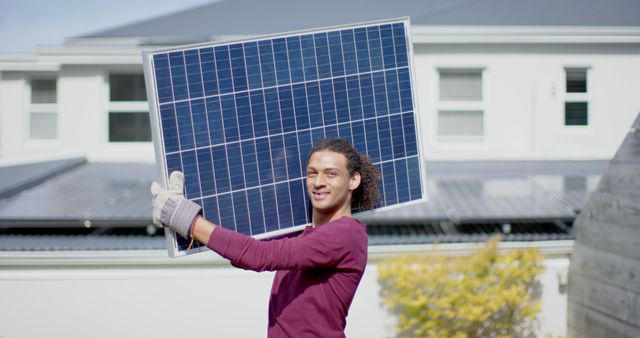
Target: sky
25,24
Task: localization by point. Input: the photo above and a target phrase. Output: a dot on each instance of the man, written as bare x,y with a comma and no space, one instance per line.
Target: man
319,269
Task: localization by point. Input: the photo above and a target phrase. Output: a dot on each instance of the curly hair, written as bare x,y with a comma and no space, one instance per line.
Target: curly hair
366,195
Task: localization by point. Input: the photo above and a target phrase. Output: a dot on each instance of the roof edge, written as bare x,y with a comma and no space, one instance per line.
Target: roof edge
58,167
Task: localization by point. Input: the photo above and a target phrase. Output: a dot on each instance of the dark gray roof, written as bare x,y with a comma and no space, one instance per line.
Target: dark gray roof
17,178
472,192
468,201
93,194
256,17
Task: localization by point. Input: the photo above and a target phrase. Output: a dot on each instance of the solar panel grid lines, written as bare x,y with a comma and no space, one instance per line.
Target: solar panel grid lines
239,118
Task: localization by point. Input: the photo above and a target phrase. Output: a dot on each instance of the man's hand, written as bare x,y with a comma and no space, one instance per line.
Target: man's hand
171,208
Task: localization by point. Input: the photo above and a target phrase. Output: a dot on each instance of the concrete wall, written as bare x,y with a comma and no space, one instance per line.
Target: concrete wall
604,297
145,294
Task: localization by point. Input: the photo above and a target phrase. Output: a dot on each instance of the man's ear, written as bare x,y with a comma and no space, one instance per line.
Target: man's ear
354,181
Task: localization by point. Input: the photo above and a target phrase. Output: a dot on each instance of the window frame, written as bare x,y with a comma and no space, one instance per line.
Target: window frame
577,97
461,105
116,107
42,108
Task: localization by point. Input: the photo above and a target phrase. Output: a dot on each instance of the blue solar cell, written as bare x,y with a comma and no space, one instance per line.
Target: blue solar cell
402,180
226,210
322,55
380,94
389,183
295,59
354,99
239,119
415,188
267,65
375,49
220,169
174,162
281,61
178,77
200,127
223,69
287,114
349,52
340,98
205,172
243,113
335,53
229,118
298,199
314,105
234,159
258,114
292,157
384,138
393,96
366,92
411,141
300,106
269,203
214,120
194,73
169,129
372,139
209,73
316,135
238,71
241,212
250,164
399,41
210,209
185,127
357,136
362,50
283,199
256,212
309,58
397,136
191,175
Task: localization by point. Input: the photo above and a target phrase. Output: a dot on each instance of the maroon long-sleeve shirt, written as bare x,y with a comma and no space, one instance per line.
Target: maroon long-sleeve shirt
318,272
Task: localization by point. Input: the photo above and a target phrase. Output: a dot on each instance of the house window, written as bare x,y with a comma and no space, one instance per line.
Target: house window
43,119
460,107
128,109
576,105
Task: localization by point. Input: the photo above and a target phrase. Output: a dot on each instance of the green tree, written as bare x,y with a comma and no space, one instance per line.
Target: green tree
482,295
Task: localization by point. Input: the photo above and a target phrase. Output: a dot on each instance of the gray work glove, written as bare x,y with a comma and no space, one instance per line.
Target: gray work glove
170,207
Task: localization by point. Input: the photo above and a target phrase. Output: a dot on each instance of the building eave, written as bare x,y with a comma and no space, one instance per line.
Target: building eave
422,34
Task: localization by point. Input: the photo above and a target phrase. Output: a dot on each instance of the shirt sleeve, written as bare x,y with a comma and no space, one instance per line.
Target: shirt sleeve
323,247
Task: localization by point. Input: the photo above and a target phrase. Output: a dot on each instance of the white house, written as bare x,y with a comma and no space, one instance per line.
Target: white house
519,80
495,80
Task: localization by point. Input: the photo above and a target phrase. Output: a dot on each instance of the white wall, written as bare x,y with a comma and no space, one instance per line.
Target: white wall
82,108
524,88
523,104
145,294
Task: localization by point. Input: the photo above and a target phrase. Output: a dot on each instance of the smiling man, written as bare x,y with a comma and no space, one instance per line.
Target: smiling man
318,269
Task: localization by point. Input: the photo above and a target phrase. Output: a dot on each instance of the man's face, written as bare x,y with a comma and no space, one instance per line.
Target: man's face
329,184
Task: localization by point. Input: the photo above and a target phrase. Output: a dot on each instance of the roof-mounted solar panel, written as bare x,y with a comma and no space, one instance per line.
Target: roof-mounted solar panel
239,118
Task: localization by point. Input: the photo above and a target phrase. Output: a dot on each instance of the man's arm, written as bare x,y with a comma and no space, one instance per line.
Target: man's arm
201,229
324,247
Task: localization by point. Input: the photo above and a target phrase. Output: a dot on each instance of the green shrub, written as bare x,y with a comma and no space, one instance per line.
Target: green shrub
482,295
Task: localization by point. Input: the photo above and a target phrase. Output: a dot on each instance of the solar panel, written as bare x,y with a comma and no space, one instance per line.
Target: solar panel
239,118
